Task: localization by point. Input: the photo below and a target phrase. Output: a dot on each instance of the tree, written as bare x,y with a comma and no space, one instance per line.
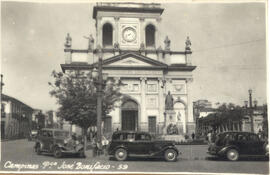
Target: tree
265,121
225,114
77,96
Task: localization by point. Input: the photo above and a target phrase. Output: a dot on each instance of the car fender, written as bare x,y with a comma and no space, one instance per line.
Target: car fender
170,147
224,150
57,145
39,143
120,146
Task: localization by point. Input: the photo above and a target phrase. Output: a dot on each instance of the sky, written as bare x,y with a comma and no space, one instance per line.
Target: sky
228,44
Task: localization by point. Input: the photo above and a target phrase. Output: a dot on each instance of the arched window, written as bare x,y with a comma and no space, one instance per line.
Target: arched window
107,35
150,35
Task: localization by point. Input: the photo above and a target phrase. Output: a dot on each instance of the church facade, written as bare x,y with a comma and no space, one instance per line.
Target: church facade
151,72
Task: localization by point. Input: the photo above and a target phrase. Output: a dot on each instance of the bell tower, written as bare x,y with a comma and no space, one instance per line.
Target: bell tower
127,26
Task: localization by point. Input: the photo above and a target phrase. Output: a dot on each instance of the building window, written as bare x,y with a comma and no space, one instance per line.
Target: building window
107,35
150,35
152,122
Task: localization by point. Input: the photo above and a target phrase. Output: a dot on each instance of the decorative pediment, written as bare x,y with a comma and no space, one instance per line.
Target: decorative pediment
132,60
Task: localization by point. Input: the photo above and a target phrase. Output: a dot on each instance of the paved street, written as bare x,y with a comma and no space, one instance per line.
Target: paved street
19,155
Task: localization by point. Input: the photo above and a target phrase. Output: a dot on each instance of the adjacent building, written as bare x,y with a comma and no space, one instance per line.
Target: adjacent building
129,36
16,118
208,119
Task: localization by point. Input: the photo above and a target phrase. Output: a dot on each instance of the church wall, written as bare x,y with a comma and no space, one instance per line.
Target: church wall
178,59
79,57
147,86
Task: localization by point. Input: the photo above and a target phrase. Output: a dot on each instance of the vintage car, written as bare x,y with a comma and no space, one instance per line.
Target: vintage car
140,144
58,142
232,145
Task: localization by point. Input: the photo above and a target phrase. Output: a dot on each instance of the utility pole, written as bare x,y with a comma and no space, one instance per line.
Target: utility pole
99,96
251,110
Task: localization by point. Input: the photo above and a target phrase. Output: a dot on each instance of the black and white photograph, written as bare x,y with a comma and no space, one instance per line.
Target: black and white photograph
134,87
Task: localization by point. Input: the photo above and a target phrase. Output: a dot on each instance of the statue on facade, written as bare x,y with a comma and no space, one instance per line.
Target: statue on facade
169,101
172,129
91,41
188,44
68,41
116,45
167,43
142,47
179,116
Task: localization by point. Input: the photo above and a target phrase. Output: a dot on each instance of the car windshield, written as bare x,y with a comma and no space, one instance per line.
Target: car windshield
61,134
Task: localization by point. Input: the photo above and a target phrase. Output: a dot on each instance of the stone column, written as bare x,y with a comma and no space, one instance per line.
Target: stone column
116,38
188,58
168,85
143,102
99,31
157,39
142,31
161,102
68,57
189,116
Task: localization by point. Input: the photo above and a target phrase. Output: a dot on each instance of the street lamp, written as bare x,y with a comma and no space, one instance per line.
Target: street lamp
250,109
97,74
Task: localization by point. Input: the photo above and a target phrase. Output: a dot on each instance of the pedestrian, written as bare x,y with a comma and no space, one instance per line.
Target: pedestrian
209,137
105,143
193,136
213,136
260,133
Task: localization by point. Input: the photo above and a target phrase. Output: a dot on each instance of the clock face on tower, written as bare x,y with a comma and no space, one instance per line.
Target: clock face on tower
129,34
129,37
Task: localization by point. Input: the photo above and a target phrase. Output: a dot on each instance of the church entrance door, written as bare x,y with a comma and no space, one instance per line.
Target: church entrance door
129,115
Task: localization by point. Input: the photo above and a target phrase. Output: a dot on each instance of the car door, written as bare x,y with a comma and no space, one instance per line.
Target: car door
256,146
241,140
144,144
129,142
47,139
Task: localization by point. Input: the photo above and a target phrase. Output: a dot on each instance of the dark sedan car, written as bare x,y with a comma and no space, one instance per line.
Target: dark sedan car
58,142
232,145
140,144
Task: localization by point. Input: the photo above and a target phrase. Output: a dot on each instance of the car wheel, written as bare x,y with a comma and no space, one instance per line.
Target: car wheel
170,155
57,153
38,149
120,154
232,155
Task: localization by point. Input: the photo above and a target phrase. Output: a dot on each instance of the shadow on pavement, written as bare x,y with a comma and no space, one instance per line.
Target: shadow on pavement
69,156
240,159
142,159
